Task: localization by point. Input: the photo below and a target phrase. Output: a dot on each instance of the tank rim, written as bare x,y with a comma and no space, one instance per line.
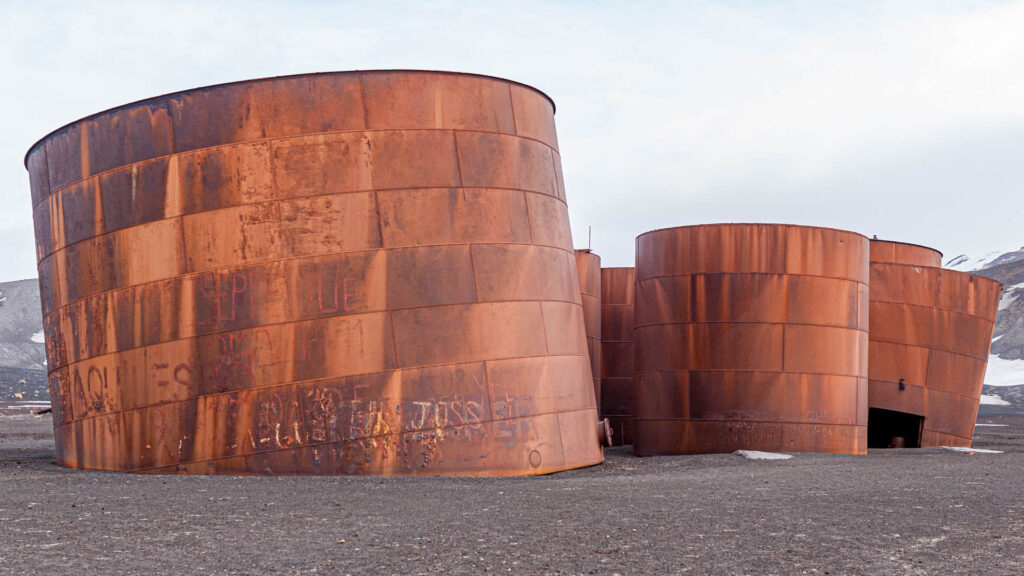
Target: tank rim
153,99
775,224
941,271
907,244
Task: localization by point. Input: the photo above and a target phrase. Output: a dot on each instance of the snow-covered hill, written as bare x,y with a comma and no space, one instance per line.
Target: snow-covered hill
1004,378
21,326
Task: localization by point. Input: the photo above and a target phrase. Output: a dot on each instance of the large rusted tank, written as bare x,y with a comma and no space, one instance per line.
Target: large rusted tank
930,334
588,268
751,336
887,251
617,351
339,273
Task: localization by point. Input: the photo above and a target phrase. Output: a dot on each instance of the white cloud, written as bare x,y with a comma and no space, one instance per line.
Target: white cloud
892,119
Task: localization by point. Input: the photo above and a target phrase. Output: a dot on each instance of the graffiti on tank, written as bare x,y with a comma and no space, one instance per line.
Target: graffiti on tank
375,429
333,296
509,409
229,298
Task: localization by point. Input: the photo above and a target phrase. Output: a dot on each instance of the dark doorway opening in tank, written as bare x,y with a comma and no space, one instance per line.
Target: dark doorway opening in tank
892,429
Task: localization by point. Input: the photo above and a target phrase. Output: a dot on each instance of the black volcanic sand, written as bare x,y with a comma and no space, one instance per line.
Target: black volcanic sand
891,512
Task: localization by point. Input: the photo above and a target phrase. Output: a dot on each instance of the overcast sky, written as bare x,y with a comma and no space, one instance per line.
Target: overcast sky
904,120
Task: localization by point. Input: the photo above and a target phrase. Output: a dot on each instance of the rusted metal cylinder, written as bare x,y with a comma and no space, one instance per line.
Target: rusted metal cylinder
887,251
751,336
340,273
617,351
588,268
930,334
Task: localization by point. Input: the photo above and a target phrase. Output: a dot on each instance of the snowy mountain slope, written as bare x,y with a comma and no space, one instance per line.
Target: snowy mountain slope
21,326
1004,377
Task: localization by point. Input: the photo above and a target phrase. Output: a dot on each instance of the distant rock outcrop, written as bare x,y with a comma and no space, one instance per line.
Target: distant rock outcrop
1008,268
21,326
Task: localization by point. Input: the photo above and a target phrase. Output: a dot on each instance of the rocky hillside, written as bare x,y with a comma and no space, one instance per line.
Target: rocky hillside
21,326
1008,268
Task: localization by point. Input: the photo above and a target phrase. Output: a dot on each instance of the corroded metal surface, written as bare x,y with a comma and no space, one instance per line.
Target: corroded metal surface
617,351
751,336
340,273
904,253
932,329
588,268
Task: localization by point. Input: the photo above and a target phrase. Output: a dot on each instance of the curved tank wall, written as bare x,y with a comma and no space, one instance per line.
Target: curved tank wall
904,253
751,336
930,334
339,273
588,269
617,351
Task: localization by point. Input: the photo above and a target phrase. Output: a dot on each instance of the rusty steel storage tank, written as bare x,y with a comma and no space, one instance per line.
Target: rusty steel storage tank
930,334
588,268
886,251
751,336
617,351
338,273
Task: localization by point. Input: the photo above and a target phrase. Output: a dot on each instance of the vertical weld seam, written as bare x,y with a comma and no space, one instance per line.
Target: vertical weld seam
182,245
394,339
170,121
554,176
458,162
273,172
544,327
289,308
529,217
46,160
512,105
784,331
489,393
472,269
362,100
380,219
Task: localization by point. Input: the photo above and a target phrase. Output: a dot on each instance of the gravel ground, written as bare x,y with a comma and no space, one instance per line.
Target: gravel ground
891,512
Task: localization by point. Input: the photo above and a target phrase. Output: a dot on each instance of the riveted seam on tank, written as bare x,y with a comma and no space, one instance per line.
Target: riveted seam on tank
931,348
394,338
285,138
315,381
458,160
930,307
512,105
749,370
61,247
544,326
745,421
300,320
925,387
182,249
642,280
362,102
472,269
529,217
289,259
745,322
